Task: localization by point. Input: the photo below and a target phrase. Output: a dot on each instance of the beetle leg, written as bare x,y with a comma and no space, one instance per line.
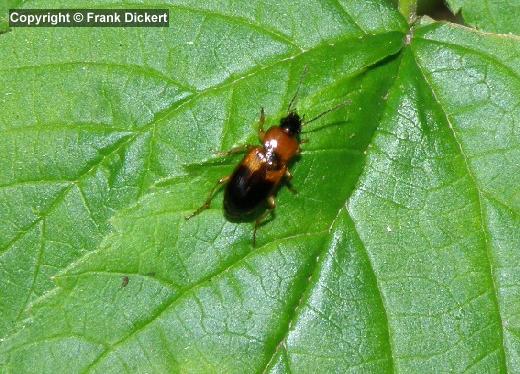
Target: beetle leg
261,122
238,149
271,204
288,177
207,203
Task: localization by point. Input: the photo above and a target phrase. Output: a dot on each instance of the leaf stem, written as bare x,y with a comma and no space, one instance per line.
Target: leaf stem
408,9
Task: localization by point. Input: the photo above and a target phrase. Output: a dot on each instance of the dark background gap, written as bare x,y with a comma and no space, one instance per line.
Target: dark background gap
436,9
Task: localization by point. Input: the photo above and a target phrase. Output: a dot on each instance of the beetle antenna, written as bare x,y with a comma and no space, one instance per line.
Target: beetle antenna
334,108
290,108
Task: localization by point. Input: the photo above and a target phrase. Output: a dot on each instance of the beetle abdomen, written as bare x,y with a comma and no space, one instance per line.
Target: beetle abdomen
246,190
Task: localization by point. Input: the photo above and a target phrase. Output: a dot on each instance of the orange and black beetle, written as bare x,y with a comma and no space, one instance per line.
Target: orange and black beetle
251,188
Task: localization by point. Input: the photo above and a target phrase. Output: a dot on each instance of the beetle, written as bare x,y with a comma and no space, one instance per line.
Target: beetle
251,188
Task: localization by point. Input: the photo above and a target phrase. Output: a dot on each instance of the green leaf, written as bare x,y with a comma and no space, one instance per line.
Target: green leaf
408,9
5,5
398,253
490,15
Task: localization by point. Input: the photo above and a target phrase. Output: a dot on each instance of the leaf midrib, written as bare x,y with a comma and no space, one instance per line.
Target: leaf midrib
483,228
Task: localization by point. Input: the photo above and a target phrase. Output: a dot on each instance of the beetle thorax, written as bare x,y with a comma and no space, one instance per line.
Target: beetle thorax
280,145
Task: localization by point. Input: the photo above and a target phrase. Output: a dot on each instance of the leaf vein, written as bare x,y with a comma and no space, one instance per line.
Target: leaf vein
169,303
468,50
348,15
479,193
35,272
244,21
133,68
